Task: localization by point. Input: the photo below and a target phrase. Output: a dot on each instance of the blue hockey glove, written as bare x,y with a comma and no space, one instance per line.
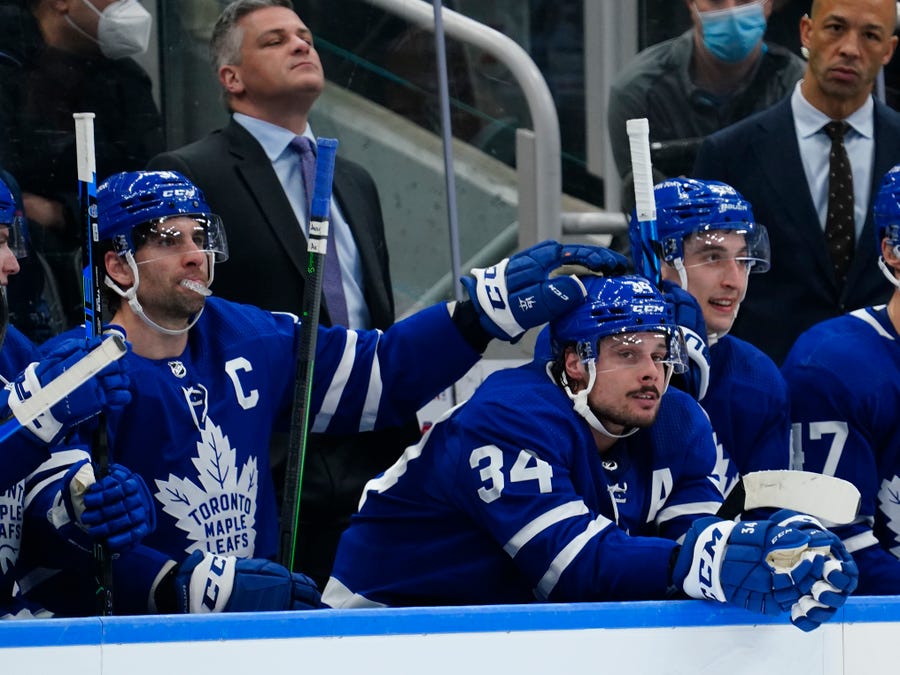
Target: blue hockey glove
689,318
108,389
118,508
536,285
733,562
836,579
207,583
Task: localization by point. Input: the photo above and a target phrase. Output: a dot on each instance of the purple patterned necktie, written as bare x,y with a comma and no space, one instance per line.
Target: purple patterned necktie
333,288
840,230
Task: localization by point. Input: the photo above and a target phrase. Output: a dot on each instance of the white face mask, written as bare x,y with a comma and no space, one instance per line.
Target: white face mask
123,29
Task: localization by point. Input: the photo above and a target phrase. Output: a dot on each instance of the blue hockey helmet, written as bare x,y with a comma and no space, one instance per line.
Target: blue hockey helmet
11,218
128,200
886,212
616,306
686,206
887,209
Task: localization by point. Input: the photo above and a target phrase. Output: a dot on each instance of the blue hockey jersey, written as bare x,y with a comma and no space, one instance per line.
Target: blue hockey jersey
747,402
198,430
506,500
19,454
844,379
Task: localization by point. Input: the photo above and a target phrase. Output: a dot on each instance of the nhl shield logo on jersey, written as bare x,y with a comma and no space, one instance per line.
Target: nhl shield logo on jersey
218,511
177,368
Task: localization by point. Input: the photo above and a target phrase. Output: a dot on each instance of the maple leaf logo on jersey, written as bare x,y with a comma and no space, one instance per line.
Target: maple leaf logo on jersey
889,500
219,514
10,526
719,476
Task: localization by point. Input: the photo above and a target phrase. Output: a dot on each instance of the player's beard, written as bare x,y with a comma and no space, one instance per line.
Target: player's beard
626,418
171,308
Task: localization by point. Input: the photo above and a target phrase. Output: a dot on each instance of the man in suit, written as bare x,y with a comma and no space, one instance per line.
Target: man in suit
271,76
779,160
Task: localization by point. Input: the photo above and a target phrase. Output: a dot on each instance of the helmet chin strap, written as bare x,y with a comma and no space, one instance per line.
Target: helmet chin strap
887,271
580,403
130,296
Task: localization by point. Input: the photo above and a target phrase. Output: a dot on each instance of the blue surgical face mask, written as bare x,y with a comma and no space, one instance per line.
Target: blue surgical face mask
731,34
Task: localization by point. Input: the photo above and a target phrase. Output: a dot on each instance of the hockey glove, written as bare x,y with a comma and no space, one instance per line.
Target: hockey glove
207,583
108,389
118,508
689,318
836,579
758,565
536,285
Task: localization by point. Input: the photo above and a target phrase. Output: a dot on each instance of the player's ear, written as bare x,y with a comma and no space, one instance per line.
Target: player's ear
118,269
576,373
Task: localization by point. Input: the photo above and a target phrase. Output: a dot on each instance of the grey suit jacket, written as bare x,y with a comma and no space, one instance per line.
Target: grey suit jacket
267,246
760,157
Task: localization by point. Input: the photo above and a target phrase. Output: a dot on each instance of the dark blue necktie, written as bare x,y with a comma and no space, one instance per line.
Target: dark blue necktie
840,230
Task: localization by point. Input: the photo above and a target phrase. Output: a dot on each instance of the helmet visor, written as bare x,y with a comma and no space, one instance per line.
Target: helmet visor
664,348
13,235
746,248
180,234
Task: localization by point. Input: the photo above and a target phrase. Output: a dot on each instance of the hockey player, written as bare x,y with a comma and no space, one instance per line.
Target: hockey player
211,379
709,243
118,508
571,480
844,379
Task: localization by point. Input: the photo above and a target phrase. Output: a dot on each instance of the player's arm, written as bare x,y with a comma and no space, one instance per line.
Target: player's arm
832,434
516,475
69,508
369,379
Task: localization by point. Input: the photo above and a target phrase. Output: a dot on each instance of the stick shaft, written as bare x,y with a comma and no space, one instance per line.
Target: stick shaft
646,260
317,248
93,321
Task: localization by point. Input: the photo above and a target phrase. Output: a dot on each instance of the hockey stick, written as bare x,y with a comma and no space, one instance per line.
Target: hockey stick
93,320
111,349
317,248
833,500
646,260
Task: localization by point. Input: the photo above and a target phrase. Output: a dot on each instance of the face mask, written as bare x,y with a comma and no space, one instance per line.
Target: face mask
123,29
731,34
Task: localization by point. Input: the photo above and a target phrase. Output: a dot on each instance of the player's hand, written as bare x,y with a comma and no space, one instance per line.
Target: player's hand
833,582
207,583
758,565
689,318
118,508
536,285
107,389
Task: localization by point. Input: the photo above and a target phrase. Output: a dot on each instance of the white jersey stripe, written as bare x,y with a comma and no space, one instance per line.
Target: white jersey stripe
567,555
337,596
860,541
373,395
538,525
338,384
865,316
693,508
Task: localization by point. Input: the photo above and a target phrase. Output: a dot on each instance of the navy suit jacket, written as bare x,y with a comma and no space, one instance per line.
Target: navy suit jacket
760,157
267,247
